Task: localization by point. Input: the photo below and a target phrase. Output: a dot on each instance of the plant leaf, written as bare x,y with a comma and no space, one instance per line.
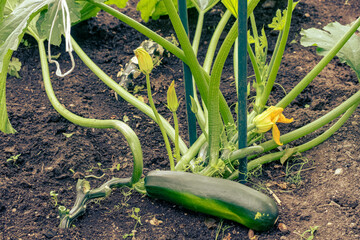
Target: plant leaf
14,25
327,38
47,17
14,67
155,8
147,8
279,20
118,3
2,7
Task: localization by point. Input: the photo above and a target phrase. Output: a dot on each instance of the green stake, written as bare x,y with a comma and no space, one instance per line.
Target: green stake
242,86
189,91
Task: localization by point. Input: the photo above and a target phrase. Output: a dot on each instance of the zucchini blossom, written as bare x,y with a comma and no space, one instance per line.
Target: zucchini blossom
267,120
144,60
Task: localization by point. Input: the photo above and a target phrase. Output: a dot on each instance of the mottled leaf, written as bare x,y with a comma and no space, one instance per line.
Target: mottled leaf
327,38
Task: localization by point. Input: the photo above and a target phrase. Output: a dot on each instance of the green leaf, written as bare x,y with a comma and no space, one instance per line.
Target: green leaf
2,7
155,8
279,20
5,125
327,38
47,17
118,3
147,8
14,25
14,67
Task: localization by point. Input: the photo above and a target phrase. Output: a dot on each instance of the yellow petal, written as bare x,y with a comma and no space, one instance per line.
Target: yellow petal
283,119
276,135
265,121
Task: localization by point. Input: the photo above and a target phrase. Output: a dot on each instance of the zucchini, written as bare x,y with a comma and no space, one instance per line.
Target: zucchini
214,196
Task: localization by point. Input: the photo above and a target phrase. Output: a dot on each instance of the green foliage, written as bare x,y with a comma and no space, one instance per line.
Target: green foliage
13,158
118,3
19,14
2,7
135,215
310,231
14,67
325,39
279,20
155,8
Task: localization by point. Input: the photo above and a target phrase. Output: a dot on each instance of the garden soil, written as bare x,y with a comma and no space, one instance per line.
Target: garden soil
317,190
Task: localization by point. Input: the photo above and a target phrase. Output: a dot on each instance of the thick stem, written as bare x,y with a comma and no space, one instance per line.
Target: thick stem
213,105
214,41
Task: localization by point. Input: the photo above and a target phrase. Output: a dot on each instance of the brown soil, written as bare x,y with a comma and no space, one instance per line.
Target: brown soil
50,161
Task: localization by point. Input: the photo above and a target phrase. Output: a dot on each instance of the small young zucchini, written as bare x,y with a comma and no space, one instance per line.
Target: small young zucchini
214,196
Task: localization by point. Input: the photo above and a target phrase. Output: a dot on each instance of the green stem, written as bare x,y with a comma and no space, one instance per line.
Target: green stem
278,56
176,126
213,105
254,64
198,31
190,154
128,133
306,146
319,67
124,94
214,41
158,120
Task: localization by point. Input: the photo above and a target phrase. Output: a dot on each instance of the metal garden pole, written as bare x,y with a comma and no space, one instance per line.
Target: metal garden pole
242,86
189,91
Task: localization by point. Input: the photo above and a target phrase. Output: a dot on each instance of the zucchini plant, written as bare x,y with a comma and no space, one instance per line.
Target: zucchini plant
215,153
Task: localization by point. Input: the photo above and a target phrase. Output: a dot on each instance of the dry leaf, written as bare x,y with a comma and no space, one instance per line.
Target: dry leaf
155,222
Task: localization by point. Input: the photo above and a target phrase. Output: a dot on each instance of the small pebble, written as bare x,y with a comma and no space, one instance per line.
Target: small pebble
283,227
338,171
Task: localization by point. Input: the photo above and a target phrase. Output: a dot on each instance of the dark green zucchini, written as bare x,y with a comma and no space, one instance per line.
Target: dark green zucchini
214,196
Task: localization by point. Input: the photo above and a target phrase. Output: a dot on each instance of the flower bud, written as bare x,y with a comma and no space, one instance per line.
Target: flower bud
172,100
145,61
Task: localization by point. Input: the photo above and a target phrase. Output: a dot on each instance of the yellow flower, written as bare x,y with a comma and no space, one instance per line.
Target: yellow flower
268,119
172,100
144,60
232,5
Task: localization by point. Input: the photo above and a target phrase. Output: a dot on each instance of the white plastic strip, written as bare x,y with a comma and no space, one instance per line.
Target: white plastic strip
67,30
